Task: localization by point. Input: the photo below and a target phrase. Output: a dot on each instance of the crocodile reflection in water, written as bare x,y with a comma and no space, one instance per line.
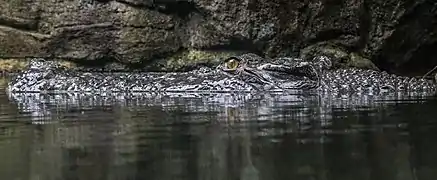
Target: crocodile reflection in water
245,73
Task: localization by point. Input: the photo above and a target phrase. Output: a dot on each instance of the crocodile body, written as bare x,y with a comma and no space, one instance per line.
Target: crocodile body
245,73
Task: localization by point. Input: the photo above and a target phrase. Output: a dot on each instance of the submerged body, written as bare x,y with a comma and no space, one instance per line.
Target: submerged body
245,73
72,81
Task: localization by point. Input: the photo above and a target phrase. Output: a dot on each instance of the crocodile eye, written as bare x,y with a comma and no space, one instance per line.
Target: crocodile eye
232,64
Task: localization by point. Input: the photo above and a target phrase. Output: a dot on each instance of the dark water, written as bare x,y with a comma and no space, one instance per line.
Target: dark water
220,137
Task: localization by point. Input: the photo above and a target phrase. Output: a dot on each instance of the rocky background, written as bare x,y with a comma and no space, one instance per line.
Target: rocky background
399,36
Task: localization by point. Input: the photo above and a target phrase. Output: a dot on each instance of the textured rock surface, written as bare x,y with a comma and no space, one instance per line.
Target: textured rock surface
395,34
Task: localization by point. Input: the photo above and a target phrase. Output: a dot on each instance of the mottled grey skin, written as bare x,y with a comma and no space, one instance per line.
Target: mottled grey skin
45,76
252,74
42,76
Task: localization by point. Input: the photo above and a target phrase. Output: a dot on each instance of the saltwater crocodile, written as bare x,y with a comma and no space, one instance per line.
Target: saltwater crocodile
244,73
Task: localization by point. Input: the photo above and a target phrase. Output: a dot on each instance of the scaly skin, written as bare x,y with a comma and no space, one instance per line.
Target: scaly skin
45,76
252,73
319,85
370,81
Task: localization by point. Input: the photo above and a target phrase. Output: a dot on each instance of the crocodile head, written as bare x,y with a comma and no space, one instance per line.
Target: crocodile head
281,73
247,72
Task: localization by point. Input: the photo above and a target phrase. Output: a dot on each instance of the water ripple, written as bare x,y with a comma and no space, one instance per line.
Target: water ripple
217,136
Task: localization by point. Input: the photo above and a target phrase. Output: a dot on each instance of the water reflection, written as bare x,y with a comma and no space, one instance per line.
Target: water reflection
223,137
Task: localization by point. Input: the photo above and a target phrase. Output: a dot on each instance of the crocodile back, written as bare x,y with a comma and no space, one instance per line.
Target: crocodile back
371,82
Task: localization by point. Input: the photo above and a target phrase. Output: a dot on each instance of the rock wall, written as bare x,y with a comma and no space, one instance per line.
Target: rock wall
395,34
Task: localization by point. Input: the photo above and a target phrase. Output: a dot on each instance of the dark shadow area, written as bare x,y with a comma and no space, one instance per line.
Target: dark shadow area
411,47
181,8
426,55
239,44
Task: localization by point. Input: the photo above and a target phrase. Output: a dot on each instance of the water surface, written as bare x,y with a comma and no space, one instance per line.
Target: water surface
217,137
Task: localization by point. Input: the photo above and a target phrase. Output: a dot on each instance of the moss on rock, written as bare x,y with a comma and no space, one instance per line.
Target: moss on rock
4,82
10,65
360,62
341,58
192,58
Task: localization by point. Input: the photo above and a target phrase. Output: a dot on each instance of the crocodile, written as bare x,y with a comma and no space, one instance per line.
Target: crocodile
243,73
